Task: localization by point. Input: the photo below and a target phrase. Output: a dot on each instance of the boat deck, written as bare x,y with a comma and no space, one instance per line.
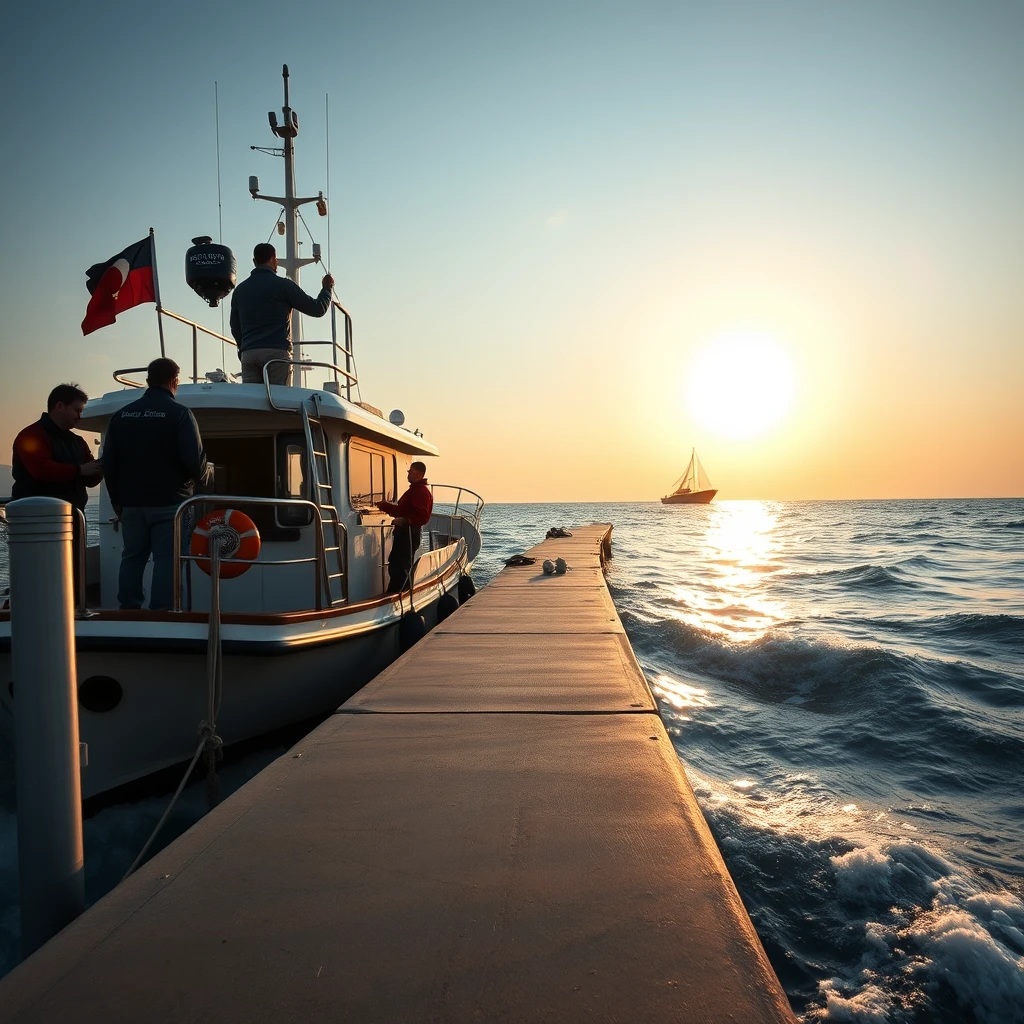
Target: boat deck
497,828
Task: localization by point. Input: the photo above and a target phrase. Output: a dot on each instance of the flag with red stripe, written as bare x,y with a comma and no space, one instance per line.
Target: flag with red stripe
123,281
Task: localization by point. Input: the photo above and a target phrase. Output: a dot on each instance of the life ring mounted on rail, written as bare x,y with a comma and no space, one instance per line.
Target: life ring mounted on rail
241,541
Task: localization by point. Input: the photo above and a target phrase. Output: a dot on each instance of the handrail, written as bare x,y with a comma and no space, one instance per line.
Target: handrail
200,327
384,527
320,558
476,513
128,382
296,362
196,328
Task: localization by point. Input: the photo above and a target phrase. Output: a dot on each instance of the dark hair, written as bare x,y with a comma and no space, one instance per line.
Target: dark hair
263,253
65,394
420,467
161,372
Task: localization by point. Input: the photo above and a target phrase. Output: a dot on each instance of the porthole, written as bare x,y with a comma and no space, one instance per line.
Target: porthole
99,694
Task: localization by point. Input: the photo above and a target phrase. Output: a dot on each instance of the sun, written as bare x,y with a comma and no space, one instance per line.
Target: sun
741,385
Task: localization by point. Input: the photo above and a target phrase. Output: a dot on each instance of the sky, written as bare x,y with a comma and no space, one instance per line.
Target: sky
577,239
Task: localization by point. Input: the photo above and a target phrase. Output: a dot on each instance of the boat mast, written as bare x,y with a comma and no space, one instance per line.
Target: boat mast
288,132
291,263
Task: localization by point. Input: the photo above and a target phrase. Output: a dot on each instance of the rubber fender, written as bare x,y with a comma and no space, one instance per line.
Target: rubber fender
467,588
446,604
411,629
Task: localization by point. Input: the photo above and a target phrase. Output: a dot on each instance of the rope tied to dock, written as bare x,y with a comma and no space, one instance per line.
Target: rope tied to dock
210,744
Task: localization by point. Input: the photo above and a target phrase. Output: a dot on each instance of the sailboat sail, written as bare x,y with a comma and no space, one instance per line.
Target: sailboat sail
693,486
693,479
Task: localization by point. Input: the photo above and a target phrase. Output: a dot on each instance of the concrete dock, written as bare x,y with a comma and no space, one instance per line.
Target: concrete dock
497,828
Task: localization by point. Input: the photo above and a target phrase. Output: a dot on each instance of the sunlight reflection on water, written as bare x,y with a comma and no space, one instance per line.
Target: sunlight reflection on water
740,549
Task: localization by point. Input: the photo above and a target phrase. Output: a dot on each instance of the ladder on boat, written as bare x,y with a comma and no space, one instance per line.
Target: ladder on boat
322,495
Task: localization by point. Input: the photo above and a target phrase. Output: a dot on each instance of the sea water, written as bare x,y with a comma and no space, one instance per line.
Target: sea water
844,685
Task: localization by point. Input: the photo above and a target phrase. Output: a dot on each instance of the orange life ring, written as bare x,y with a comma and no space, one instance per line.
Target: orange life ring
242,541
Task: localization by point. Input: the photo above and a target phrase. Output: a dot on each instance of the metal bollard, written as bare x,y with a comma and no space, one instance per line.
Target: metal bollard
49,786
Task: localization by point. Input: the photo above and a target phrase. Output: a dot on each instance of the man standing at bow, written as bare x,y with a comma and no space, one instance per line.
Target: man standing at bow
261,316
411,512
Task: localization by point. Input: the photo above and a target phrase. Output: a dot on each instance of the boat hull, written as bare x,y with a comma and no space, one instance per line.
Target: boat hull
692,498
274,676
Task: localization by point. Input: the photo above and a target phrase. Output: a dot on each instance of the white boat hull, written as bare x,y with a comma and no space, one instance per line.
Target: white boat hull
274,676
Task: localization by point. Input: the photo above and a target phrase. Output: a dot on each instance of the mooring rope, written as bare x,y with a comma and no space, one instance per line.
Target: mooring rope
209,742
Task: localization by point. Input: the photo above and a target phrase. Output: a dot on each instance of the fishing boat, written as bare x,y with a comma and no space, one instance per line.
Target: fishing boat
693,487
306,622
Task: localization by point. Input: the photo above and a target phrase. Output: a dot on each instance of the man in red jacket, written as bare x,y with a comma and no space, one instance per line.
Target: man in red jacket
51,461
411,512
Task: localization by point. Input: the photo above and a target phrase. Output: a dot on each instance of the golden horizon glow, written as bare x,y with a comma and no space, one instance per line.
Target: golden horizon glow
741,385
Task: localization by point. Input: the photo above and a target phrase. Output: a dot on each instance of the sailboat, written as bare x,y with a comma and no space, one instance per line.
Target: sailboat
693,487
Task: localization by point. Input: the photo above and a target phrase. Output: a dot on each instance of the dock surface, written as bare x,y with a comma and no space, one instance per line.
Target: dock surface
497,828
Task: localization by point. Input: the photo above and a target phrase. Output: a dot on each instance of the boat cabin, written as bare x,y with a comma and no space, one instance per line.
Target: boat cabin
307,466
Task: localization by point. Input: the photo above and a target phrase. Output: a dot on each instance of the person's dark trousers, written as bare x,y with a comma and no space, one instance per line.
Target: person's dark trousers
147,531
404,542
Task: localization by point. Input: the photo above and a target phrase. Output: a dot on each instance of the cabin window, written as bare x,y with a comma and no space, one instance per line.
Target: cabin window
257,467
371,476
292,471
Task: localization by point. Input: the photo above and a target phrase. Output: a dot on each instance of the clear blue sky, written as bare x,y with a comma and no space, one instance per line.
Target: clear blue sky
542,212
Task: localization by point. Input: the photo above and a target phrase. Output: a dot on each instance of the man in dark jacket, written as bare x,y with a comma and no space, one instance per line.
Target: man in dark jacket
51,461
153,458
411,512
261,316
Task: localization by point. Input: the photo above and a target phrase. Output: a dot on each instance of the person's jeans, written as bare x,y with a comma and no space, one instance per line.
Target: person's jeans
405,540
145,531
253,361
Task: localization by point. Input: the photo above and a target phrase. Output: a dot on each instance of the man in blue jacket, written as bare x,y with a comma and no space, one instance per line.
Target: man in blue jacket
261,316
153,458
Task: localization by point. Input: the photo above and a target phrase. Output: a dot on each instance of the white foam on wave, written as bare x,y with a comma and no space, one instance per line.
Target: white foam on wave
862,873
984,974
871,1005
973,941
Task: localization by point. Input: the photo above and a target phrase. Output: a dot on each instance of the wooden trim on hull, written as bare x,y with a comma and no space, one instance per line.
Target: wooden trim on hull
693,498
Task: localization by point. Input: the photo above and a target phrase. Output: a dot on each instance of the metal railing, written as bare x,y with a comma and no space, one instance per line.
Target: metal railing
318,559
79,544
478,503
298,362
196,328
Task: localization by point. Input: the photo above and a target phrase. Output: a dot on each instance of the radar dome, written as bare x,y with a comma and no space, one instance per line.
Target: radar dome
210,269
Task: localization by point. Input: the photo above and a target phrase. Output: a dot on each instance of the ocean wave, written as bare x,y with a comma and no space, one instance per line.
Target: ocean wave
958,940
860,577
959,627
877,928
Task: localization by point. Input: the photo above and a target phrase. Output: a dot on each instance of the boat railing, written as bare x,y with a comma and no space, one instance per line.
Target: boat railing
119,375
318,560
437,535
344,349
304,363
79,543
473,508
